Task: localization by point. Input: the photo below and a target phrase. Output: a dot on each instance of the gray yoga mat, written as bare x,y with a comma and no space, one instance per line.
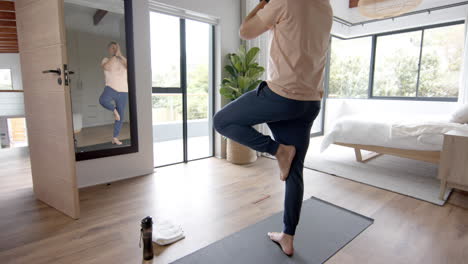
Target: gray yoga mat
323,230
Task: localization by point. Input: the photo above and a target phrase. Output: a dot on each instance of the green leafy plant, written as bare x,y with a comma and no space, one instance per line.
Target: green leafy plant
244,73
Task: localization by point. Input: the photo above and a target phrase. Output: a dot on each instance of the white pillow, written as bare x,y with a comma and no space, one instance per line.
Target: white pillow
461,115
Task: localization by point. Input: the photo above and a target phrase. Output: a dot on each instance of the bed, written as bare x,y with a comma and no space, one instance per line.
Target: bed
417,137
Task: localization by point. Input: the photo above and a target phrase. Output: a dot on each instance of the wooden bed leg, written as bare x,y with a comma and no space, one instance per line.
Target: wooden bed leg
369,157
358,154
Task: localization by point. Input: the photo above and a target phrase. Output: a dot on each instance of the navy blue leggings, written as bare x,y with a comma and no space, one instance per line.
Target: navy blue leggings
120,100
289,120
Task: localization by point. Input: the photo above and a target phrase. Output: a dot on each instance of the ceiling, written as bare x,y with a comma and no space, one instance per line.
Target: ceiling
8,36
341,9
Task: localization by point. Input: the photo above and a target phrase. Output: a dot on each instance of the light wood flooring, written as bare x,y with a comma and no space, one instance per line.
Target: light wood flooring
89,136
211,199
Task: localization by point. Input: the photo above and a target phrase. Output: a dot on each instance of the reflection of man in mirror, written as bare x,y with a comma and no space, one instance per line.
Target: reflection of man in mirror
115,95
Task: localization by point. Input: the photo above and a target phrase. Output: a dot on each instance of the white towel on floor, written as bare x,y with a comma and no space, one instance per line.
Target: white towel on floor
166,233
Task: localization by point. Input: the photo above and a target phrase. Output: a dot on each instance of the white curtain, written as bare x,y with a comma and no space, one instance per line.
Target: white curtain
263,42
463,94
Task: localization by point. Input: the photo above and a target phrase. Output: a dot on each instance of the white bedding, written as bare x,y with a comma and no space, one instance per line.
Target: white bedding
412,133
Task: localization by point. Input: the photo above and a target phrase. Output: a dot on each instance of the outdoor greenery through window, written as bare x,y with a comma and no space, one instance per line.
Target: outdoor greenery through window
182,61
396,64
416,64
441,61
5,79
165,61
349,67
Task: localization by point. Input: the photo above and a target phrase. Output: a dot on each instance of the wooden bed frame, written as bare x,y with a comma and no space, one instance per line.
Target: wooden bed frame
427,156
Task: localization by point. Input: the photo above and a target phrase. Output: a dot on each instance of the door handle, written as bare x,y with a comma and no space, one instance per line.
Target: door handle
57,71
67,74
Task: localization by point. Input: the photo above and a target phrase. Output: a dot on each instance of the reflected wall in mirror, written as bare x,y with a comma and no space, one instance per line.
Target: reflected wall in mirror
100,88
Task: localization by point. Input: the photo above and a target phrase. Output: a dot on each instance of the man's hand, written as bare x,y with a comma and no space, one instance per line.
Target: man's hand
118,52
260,6
253,26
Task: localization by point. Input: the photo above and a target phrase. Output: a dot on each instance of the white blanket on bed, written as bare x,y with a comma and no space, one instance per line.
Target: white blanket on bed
414,133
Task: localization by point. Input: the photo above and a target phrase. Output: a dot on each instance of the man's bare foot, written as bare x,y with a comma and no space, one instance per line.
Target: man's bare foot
116,141
285,156
284,240
116,115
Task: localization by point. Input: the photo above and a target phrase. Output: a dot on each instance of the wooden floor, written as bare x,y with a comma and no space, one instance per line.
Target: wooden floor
212,199
89,136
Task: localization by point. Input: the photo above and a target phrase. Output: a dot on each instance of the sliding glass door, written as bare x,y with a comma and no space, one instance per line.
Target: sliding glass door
182,73
199,89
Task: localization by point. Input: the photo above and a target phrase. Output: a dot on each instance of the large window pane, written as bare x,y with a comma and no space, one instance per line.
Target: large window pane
349,68
167,129
165,50
199,50
396,65
441,61
5,79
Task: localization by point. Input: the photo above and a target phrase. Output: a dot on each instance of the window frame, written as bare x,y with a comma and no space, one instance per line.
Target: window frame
373,51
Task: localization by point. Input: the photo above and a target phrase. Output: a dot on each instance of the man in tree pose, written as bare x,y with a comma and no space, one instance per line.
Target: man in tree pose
289,101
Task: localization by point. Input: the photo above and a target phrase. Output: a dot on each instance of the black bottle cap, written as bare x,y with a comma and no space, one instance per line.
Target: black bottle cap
147,222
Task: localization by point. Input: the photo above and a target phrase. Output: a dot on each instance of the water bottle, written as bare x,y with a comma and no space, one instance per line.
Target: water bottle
147,237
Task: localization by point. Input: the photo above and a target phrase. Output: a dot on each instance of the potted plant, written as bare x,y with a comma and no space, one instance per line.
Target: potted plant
244,73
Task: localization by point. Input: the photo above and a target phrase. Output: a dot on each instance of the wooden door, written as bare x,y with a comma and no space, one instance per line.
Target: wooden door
41,35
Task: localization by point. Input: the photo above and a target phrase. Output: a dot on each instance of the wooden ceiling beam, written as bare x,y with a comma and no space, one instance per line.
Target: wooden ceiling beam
7,15
98,16
7,30
8,36
7,6
8,41
8,45
9,51
7,23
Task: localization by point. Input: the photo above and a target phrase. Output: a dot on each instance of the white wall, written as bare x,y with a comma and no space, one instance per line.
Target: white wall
92,172
11,104
424,19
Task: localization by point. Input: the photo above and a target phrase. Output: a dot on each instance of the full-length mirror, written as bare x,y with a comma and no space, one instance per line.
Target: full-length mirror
100,49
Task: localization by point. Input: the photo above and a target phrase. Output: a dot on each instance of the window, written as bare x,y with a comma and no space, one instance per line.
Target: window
349,68
5,79
17,132
165,51
396,65
182,55
419,64
441,61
